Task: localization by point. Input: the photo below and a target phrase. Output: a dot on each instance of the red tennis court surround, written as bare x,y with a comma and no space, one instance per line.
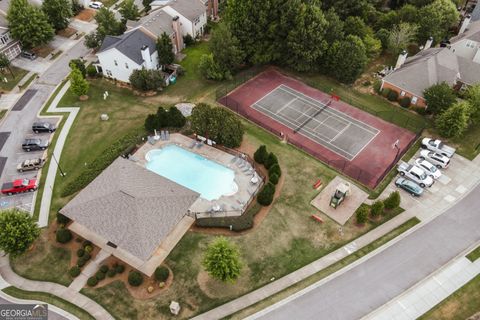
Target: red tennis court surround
355,142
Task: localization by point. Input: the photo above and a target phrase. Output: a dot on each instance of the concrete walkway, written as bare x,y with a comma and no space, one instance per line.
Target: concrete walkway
428,293
10,277
89,271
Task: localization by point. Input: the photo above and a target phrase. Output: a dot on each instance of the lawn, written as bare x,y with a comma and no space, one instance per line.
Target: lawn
50,299
462,304
18,75
474,255
29,80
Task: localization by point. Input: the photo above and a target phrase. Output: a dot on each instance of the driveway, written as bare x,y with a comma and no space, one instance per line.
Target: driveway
371,284
18,123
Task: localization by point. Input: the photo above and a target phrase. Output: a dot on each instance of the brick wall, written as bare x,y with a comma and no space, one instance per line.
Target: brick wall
420,100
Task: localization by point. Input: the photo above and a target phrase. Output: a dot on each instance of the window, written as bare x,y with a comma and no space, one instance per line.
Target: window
108,72
126,65
116,63
414,100
402,94
470,44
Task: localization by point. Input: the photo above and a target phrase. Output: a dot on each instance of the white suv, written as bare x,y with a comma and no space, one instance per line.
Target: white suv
95,5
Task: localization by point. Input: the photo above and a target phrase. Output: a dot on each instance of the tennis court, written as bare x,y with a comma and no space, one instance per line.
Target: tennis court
317,121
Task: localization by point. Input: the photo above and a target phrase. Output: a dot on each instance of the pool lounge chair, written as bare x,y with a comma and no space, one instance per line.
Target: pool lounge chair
194,143
233,160
162,135
199,145
167,135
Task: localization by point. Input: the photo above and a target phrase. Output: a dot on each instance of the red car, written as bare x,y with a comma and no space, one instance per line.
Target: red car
19,185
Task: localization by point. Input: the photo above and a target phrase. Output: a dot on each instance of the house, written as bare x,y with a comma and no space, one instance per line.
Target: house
132,213
8,46
192,14
457,64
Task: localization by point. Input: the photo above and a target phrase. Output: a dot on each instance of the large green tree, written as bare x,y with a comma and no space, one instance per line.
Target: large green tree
58,12
334,31
18,231
473,97
439,97
108,25
347,59
401,36
222,260
210,69
78,85
436,19
129,10
226,50
5,63
28,24
165,50
454,121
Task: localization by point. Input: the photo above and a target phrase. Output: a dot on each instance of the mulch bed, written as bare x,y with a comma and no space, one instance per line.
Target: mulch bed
85,15
43,51
67,32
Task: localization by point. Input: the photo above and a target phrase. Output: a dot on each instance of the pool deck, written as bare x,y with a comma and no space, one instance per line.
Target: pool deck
225,206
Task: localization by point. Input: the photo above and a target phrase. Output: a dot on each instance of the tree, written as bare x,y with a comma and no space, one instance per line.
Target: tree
165,50
151,123
5,63
209,69
265,196
129,10
28,24
356,26
261,154
175,118
18,231
347,59
92,41
401,36
79,64
334,31
377,208
146,80
76,7
227,54
222,260
146,5
454,121
436,19
439,97
78,85
362,214
108,24
372,45
58,13
270,160
392,201
473,97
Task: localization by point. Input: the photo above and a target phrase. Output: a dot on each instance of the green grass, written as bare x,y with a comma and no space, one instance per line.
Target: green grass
469,144
53,57
3,112
50,299
474,255
29,80
18,75
327,271
461,305
108,3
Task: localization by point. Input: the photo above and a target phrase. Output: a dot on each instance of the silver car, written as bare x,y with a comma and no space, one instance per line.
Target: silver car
429,168
437,159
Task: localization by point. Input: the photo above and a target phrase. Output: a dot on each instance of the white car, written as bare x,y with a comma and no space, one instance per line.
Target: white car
416,174
429,168
95,5
437,146
439,160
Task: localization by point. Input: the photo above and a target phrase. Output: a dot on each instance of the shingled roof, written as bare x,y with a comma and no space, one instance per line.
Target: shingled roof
131,207
130,44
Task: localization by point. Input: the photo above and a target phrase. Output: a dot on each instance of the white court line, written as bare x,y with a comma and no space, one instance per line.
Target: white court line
286,105
320,123
316,102
315,134
269,93
373,137
341,131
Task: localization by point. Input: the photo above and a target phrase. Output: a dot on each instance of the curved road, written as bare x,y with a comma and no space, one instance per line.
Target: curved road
376,281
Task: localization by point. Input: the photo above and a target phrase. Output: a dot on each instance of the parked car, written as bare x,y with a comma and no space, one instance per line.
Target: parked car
439,160
19,186
409,186
38,127
29,55
429,168
34,144
95,5
415,174
32,164
438,147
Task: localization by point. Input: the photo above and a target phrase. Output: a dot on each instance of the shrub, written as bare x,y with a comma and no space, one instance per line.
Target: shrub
111,273
86,256
260,155
80,252
92,281
62,219
81,262
275,169
392,95
175,118
135,278
63,235
188,40
74,271
385,92
91,71
405,102
392,201
120,268
104,269
79,64
420,110
162,273
86,243
76,7
265,196
362,214
377,84
100,275
377,208
273,178
146,80
271,160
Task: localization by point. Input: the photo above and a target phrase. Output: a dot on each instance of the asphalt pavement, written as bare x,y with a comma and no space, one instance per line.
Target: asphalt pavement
373,283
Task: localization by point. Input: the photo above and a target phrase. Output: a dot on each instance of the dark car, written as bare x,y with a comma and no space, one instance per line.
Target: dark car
34,144
409,186
28,55
38,127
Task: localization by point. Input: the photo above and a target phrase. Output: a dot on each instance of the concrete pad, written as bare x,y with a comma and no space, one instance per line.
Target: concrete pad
461,189
340,215
449,198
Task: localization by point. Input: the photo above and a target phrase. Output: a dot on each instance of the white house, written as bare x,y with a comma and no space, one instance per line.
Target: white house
8,46
120,55
192,14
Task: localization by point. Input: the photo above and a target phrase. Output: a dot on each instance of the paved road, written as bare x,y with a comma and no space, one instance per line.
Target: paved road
51,315
371,284
18,123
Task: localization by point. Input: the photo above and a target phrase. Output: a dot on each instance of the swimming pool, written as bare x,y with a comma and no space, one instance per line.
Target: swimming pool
192,171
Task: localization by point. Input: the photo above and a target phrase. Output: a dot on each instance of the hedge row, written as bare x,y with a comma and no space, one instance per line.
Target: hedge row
392,95
243,222
93,169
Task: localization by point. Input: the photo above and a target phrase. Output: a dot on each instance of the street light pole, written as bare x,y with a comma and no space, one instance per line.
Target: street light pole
58,165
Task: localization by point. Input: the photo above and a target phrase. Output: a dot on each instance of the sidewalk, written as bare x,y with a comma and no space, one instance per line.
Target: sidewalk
464,176
88,271
10,277
428,293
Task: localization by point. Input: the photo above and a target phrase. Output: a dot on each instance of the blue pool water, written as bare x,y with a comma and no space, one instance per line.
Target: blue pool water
192,171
